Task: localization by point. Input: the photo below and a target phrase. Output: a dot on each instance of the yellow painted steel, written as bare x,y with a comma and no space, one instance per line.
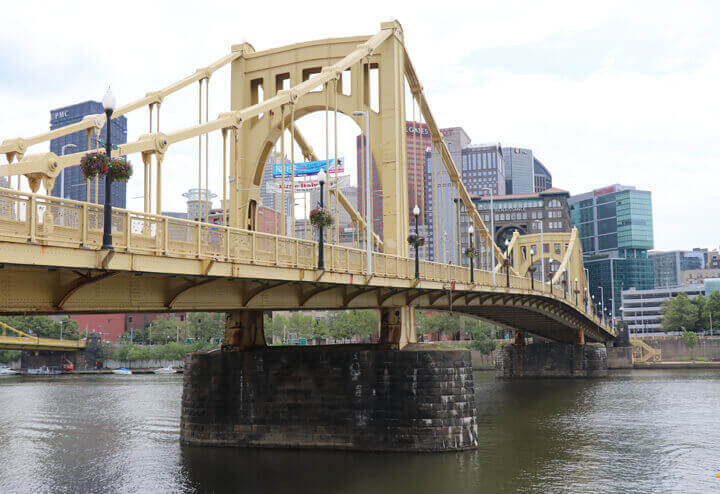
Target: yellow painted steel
190,259
24,341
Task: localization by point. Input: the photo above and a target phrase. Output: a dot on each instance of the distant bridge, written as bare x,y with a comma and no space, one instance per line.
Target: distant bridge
18,340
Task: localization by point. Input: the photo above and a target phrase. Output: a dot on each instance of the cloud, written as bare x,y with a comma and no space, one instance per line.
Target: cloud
602,92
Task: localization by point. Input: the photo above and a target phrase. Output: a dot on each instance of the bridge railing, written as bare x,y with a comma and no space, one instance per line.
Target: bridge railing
27,217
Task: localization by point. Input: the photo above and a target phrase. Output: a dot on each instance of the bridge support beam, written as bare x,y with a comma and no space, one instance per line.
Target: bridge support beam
552,359
243,330
354,397
397,326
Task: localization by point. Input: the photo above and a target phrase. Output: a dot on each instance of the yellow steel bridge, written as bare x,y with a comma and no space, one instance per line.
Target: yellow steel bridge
51,248
18,340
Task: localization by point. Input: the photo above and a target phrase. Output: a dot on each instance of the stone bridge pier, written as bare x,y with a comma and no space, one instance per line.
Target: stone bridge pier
546,358
391,396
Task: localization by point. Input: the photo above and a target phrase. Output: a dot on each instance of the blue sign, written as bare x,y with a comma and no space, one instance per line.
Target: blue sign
306,169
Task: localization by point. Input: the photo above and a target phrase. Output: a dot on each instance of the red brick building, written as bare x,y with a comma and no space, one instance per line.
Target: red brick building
111,327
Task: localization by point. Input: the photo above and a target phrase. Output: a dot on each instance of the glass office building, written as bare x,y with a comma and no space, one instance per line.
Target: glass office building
70,183
616,231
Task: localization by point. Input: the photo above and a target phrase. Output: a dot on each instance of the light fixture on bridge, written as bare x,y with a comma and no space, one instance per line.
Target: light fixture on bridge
108,103
108,100
416,211
322,176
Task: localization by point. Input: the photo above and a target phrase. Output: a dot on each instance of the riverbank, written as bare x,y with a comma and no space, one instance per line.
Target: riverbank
684,364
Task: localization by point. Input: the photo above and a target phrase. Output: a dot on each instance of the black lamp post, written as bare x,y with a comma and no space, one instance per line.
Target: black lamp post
321,252
416,213
108,103
531,270
564,283
507,262
471,230
576,291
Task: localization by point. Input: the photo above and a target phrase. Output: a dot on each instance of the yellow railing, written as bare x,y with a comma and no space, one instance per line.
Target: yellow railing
24,341
27,217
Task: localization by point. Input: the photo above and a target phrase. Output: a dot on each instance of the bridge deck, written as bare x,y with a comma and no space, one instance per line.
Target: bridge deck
49,248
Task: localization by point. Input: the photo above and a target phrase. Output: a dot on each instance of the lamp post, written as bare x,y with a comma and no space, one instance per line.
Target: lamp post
416,213
62,173
321,248
506,261
576,291
602,302
471,230
542,255
368,219
492,231
531,269
108,103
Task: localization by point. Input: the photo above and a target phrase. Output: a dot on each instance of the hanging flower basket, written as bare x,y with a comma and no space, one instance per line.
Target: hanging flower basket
416,240
320,217
470,252
94,165
120,169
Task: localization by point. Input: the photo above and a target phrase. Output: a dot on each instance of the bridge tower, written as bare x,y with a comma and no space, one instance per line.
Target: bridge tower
258,76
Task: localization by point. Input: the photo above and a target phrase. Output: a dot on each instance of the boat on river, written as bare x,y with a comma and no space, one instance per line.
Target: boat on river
44,371
122,371
7,371
165,370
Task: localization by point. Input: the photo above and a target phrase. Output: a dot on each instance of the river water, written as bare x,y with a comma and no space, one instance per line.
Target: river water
636,431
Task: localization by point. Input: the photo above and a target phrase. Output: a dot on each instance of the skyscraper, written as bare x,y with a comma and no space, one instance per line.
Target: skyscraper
615,227
417,139
71,177
519,170
543,178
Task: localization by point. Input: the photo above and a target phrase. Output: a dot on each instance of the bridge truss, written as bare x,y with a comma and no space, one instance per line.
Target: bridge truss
270,91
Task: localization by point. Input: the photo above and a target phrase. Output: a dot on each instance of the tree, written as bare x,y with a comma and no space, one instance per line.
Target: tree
680,313
689,338
701,303
44,327
164,329
712,310
205,325
275,326
353,323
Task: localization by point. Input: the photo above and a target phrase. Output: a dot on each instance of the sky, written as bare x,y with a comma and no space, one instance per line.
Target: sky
602,92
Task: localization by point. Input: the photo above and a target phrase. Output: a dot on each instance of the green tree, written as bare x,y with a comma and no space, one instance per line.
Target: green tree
689,338
680,313
701,303
164,329
712,310
275,326
205,325
300,324
44,326
353,323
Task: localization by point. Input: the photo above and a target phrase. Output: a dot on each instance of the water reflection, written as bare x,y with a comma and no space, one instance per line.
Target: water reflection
640,431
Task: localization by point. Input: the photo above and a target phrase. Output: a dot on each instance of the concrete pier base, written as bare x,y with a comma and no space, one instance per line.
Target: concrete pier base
551,359
355,397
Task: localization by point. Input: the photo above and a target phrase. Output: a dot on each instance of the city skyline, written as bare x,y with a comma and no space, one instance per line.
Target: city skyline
594,119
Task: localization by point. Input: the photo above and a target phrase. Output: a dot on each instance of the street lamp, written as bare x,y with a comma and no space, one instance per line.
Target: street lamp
531,269
542,255
322,176
506,261
108,103
368,219
62,173
492,231
576,291
471,230
416,213
602,302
